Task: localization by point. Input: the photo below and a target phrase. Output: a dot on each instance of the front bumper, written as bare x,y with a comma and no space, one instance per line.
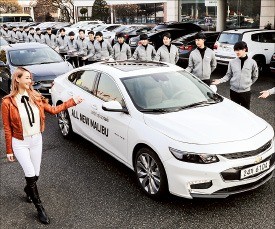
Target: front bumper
191,180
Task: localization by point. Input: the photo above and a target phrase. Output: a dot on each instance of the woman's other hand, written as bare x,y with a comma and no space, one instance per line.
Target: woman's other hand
10,157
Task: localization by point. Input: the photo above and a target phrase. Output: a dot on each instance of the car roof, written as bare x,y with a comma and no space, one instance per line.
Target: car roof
25,46
242,31
129,68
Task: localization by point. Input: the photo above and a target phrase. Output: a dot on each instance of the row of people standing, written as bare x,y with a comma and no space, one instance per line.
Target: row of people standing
82,50
22,34
95,48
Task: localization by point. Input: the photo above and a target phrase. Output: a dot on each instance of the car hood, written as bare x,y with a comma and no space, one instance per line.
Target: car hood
48,71
218,123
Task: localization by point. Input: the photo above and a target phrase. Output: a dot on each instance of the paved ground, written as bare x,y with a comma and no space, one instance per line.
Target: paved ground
83,187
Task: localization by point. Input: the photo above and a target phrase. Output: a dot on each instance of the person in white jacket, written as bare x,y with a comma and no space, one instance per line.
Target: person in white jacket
266,93
167,52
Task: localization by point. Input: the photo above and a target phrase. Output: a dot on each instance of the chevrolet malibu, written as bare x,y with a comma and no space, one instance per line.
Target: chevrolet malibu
170,128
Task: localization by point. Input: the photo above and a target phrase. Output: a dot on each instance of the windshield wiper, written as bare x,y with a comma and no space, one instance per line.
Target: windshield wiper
202,103
156,110
50,62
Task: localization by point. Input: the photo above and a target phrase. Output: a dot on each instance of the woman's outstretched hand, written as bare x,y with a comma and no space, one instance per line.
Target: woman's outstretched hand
77,99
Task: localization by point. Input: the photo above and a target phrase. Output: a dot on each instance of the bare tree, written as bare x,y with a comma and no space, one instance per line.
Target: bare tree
66,8
43,9
10,6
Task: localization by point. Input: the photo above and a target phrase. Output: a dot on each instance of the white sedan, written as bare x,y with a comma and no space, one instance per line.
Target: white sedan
169,127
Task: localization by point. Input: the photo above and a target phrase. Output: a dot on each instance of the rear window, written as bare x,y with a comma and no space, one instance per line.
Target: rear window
230,38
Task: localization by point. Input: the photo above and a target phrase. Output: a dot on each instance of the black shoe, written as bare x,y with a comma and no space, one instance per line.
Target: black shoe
28,197
33,191
42,216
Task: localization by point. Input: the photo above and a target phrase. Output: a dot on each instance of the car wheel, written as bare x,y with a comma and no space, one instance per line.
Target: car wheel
65,125
150,173
261,65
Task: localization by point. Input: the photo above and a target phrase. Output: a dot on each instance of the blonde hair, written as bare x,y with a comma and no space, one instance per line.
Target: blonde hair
18,73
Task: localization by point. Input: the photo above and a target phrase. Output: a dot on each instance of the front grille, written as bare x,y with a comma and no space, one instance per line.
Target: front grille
248,153
245,187
235,173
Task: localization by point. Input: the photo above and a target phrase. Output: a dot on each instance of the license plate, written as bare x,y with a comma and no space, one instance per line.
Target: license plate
255,169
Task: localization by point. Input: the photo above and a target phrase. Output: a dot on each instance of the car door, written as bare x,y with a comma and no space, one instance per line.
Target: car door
81,114
111,127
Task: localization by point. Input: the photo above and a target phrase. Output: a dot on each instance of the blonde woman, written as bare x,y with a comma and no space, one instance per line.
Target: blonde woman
23,114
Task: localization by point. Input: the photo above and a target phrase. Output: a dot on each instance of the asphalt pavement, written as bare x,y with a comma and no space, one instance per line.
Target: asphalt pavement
83,187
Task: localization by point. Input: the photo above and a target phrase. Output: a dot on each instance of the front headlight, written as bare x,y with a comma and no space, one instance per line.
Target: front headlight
193,157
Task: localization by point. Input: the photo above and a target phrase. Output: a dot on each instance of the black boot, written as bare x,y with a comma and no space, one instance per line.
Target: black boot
28,197
31,183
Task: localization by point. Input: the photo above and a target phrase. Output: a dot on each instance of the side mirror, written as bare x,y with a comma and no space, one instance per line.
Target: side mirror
114,106
214,88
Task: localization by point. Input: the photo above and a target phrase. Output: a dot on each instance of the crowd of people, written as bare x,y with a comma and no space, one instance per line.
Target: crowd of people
83,51
202,62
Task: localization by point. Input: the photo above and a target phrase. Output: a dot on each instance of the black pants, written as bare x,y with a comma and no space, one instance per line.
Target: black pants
242,98
91,62
206,82
74,61
63,54
82,62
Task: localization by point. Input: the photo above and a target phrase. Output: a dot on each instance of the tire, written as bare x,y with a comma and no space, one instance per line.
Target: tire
261,65
150,174
64,124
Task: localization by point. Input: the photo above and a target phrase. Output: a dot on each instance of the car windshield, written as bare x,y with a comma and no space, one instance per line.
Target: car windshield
34,56
229,38
46,24
100,28
168,91
130,29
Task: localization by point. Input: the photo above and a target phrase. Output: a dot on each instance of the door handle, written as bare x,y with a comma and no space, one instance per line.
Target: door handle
94,107
265,49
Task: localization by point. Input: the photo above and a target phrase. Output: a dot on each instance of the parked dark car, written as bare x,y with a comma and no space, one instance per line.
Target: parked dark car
177,25
187,43
42,61
155,37
272,63
133,31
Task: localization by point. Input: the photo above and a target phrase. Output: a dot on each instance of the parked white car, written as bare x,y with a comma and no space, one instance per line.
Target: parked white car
260,43
169,127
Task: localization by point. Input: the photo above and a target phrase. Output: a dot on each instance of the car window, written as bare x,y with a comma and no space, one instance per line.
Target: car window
107,90
166,90
230,38
84,79
263,37
34,56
